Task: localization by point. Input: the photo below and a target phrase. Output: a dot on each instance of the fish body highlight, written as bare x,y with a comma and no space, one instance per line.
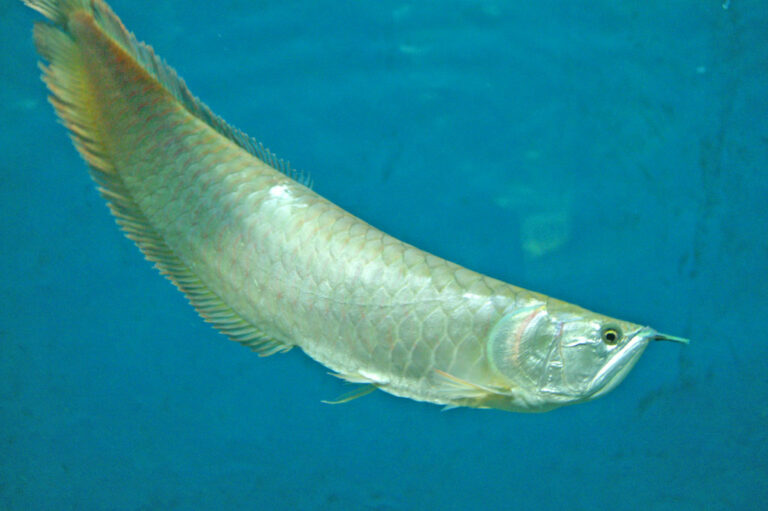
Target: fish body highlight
273,265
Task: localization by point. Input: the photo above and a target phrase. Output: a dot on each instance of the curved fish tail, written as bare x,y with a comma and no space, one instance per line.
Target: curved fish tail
128,113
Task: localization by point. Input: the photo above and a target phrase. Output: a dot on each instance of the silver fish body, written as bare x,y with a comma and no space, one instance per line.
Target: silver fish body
273,265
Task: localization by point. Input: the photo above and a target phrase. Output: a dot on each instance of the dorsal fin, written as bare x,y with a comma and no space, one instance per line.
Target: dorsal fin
59,12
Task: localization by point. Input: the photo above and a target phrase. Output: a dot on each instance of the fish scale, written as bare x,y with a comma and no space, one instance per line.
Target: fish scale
274,265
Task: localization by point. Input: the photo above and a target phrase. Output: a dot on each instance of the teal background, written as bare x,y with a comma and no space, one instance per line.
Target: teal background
611,154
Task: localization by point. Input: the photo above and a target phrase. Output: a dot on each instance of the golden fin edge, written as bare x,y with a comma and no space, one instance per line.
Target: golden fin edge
66,80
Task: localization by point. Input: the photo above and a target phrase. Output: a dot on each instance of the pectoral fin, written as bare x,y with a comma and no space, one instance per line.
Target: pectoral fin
459,392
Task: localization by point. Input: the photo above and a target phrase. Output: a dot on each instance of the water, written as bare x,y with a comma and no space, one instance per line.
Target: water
608,154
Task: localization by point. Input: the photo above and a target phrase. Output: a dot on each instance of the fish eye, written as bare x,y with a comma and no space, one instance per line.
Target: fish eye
611,335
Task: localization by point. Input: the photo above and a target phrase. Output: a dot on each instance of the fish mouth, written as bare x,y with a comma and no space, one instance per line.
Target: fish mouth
625,359
620,363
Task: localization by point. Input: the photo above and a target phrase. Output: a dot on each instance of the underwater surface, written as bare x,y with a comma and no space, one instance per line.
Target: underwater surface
612,154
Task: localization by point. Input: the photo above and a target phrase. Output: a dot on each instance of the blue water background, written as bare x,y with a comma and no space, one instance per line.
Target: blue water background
612,154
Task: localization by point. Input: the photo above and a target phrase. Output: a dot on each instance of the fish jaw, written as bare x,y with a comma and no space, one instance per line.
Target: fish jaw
620,364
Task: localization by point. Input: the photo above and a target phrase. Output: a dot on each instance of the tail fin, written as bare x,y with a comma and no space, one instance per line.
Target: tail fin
61,12
65,77
81,29
58,11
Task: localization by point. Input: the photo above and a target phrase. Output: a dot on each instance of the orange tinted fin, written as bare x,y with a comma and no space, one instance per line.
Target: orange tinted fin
84,41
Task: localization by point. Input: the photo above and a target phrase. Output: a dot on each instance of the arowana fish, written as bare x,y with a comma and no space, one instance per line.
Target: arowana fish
273,265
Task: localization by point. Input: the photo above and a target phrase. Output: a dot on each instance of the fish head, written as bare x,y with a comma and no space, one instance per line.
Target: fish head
556,353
